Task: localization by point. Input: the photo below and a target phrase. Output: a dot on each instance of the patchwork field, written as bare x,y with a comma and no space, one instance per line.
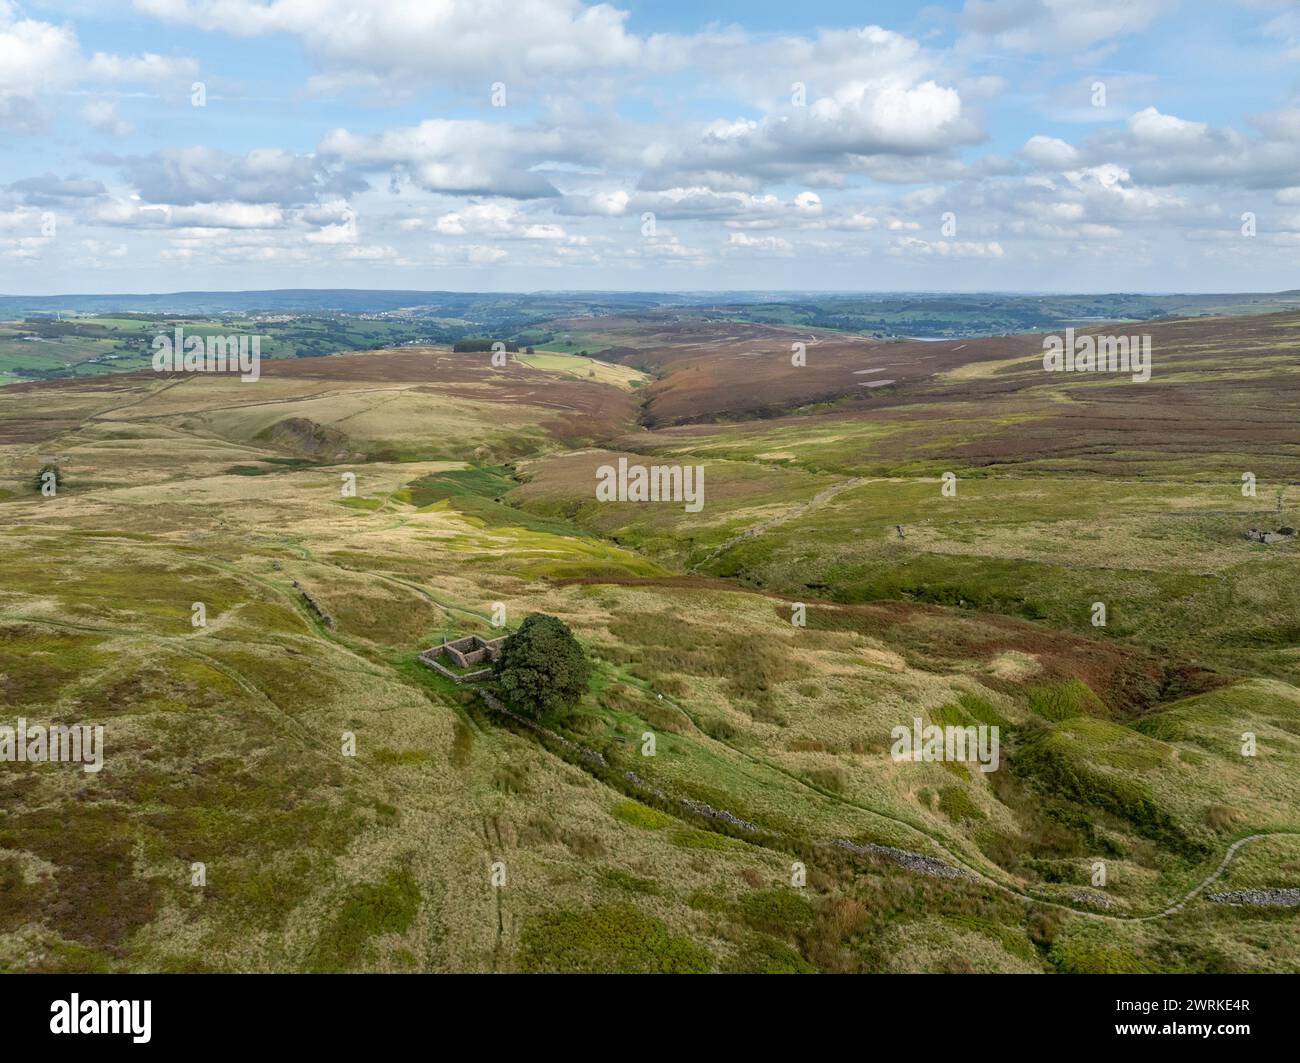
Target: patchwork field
284,793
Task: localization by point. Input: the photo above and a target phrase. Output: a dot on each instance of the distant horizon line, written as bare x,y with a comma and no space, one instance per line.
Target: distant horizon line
648,291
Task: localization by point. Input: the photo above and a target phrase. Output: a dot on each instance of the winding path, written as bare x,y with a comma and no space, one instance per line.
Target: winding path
819,499
959,863
1210,879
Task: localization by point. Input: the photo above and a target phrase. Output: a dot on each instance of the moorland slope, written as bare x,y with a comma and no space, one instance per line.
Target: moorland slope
227,744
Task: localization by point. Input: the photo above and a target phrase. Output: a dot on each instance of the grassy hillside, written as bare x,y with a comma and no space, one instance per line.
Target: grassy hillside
231,744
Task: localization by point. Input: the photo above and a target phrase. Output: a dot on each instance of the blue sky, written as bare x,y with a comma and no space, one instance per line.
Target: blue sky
1033,145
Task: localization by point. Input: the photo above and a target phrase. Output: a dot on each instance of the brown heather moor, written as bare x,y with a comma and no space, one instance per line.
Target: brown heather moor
475,486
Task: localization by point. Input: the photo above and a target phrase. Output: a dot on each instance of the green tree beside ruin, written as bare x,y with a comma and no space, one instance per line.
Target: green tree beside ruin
542,667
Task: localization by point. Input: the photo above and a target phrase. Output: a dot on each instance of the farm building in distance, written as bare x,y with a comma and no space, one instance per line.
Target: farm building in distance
1257,536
